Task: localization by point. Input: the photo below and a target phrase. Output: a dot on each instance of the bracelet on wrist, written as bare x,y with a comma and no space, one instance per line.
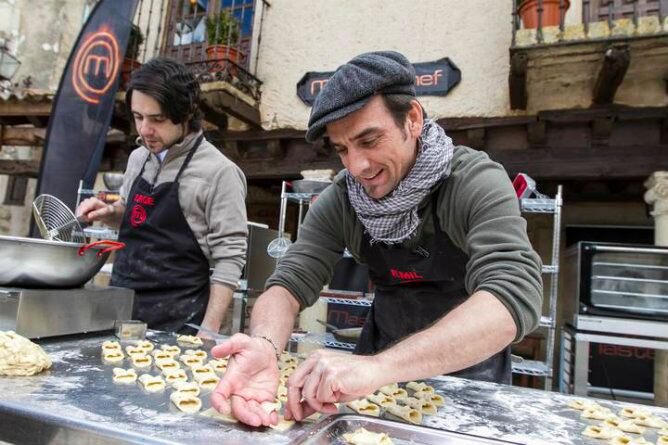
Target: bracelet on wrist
278,355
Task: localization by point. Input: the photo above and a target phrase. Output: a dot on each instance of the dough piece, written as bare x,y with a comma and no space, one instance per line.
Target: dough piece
436,399
597,414
191,360
282,393
207,381
582,404
640,441
612,422
662,432
629,426
394,391
111,345
21,357
407,413
662,440
363,406
218,365
270,407
599,432
620,440
312,418
651,421
191,388
142,361
152,383
632,413
420,387
389,389
145,345
159,354
201,369
168,363
189,340
113,356
124,375
364,437
282,425
173,349
173,376
424,406
197,353
187,403
213,413
382,400
286,361
133,351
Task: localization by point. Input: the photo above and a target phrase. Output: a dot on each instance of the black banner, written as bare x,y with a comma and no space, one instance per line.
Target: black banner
435,78
83,106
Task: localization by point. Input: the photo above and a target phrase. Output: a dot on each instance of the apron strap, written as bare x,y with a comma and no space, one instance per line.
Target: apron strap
189,157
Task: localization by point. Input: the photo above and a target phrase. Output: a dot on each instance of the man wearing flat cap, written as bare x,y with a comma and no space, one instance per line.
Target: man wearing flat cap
440,229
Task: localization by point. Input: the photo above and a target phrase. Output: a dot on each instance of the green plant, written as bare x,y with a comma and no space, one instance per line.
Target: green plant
134,42
222,28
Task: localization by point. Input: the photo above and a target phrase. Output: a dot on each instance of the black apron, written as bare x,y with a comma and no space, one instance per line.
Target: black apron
414,289
162,261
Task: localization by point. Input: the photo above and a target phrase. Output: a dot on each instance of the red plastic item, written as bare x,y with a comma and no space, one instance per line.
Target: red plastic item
114,245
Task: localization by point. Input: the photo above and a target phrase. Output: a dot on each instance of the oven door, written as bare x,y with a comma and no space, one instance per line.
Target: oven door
624,280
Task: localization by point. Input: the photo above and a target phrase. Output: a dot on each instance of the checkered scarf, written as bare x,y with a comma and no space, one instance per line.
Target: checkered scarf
394,218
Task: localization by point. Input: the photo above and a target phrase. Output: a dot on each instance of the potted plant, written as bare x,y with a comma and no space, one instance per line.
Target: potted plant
528,11
223,31
130,61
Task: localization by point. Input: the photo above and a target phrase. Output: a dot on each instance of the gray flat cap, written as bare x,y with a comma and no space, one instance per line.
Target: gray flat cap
353,84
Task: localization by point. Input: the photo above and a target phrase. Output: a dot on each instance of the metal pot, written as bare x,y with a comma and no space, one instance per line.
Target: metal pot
37,263
309,186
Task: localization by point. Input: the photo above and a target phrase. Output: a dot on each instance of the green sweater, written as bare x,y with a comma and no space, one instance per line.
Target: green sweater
477,208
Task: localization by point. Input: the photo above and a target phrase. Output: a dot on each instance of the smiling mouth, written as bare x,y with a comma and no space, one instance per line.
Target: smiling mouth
371,178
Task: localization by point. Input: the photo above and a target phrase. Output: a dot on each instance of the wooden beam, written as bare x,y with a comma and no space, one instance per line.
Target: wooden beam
601,129
615,64
517,80
19,168
10,108
223,101
537,134
22,136
214,115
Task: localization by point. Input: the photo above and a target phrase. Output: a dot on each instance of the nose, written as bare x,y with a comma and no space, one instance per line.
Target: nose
357,163
145,128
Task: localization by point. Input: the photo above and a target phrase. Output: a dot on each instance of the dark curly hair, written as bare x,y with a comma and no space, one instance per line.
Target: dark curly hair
173,86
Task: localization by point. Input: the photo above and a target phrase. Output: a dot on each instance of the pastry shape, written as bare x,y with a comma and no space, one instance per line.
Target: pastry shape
424,406
640,441
597,414
113,356
168,363
629,426
420,387
121,375
382,399
145,345
201,369
599,432
651,421
111,345
312,418
662,440
191,360
187,403
406,412
172,349
191,388
133,351
189,340
363,406
389,389
282,393
582,404
283,424
159,354
620,440
218,365
197,353
362,436
213,413
207,381
21,357
662,432
434,398
152,383
632,413
142,361
394,391
270,407
612,422
173,376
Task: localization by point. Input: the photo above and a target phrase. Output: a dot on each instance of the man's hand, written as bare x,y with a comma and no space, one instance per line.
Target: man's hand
329,377
251,378
93,209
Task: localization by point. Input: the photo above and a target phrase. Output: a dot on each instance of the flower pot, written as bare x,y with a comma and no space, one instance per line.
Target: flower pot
220,55
528,11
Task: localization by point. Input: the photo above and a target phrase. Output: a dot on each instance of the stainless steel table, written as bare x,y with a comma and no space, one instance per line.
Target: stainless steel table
76,402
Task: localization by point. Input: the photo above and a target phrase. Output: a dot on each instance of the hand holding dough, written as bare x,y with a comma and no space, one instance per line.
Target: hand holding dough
21,357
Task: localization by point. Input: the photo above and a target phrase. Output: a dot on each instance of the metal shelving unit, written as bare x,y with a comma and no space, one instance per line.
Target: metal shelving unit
535,367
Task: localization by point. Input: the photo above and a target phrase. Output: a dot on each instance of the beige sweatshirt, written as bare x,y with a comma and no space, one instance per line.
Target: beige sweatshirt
212,195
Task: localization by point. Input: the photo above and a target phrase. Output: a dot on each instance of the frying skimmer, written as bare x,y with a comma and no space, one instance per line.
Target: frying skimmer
56,221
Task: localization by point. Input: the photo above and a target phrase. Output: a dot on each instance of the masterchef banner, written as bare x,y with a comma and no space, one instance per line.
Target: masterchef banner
84,102
435,78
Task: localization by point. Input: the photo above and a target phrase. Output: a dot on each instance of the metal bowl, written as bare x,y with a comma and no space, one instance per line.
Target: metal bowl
112,181
37,263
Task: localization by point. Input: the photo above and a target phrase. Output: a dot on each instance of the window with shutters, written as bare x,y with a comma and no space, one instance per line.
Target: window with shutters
617,9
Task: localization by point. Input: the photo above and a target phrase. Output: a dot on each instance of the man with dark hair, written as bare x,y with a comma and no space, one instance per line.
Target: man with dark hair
440,229
182,209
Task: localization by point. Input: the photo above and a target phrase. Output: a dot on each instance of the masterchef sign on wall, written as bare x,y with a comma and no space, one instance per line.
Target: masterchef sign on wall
435,78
